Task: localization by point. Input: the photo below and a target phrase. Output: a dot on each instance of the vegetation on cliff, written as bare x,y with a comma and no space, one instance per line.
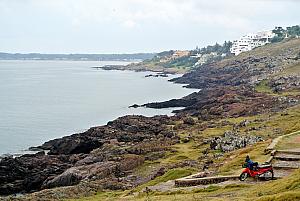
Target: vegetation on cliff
177,61
289,32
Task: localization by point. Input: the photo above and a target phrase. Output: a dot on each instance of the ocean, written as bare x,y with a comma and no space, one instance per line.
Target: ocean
43,100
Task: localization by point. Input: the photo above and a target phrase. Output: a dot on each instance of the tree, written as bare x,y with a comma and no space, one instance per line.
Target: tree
276,39
226,47
293,31
279,31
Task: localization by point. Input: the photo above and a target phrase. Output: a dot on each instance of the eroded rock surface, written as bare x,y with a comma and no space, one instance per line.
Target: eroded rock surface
232,140
100,152
218,102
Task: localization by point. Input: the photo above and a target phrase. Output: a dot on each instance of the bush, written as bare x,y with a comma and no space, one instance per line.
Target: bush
276,39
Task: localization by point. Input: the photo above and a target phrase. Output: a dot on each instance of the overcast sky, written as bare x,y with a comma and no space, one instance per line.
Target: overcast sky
120,26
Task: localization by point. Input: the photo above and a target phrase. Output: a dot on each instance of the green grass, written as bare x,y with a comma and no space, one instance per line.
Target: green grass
146,168
287,189
103,196
214,132
289,142
263,87
181,151
283,189
287,121
233,161
171,175
210,188
286,196
293,70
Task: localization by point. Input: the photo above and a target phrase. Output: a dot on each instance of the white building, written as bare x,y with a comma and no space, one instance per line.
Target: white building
251,41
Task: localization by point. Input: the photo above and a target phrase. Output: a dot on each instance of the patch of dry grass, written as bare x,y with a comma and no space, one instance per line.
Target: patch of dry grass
289,142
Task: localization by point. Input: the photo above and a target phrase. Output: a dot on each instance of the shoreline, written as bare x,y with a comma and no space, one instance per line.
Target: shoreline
106,157
31,150
138,68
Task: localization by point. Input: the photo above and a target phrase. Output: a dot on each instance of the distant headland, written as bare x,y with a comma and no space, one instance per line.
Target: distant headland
77,57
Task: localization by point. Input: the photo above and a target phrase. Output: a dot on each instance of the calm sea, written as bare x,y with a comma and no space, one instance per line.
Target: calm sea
42,100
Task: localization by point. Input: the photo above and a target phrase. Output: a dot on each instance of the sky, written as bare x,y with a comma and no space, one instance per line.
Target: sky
131,26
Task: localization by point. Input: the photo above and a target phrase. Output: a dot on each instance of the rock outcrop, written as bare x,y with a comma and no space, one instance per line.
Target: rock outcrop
228,87
281,83
124,129
218,102
99,153
232,140
247,69
28,173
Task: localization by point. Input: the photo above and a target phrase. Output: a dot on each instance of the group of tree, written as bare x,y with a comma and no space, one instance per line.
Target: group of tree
289,32
181,62
217,48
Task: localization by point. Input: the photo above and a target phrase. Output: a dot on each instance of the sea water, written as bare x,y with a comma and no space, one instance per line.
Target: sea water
43,100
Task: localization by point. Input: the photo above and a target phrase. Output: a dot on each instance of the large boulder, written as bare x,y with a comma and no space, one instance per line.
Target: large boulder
98,170
27,173
74,175
73,144
70,177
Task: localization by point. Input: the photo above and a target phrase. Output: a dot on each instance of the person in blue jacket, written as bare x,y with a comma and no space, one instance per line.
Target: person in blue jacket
252,165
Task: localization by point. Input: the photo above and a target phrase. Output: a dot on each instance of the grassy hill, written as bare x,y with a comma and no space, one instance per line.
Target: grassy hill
254,94
178,61
230,163
266,124
287,189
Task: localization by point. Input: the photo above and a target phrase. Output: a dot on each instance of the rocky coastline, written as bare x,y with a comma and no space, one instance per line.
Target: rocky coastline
105,151
106,156
161,72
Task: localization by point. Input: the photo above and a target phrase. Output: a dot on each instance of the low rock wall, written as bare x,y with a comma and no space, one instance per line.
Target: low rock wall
203,181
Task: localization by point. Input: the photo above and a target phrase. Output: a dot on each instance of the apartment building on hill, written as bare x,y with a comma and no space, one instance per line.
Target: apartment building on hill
251,41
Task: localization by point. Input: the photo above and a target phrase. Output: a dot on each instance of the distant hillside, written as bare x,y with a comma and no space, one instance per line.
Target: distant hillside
250,67
180,61
77,57
272,70
186,60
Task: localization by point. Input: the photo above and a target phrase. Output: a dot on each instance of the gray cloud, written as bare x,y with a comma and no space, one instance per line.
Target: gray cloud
134,25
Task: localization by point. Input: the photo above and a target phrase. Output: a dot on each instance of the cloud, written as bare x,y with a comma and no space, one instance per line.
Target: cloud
129,24
165,23
144,11
128,13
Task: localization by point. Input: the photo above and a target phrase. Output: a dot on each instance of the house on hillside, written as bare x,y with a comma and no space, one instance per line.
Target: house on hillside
251,41
180,53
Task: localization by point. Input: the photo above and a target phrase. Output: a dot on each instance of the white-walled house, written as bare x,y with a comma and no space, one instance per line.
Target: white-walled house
251,41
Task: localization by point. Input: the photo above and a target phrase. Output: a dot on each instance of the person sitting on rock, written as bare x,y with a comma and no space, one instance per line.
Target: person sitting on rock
252,165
